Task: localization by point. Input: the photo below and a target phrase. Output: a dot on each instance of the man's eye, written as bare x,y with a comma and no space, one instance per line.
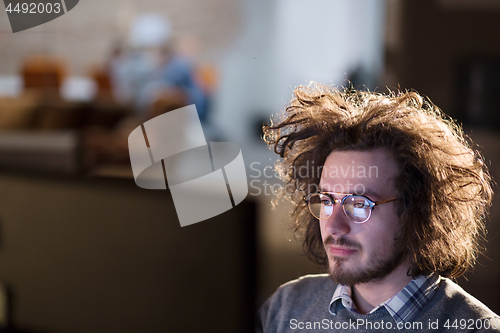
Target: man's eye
359,205
326,202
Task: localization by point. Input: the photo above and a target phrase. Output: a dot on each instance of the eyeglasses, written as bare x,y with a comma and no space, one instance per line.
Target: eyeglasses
356,207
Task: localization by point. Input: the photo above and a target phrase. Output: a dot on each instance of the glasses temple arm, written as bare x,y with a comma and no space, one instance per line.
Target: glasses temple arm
385,201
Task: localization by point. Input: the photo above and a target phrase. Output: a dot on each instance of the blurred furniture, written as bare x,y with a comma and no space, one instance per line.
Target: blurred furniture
102,255
41,71
17,113
104,83
54,152
33,127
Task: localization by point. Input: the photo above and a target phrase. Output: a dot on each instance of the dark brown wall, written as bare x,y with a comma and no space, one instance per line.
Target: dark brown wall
434,39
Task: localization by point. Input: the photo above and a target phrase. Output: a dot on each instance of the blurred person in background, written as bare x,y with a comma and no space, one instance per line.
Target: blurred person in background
393,204
148,75
152,75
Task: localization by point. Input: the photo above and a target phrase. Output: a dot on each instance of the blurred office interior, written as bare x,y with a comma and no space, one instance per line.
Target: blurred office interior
83,249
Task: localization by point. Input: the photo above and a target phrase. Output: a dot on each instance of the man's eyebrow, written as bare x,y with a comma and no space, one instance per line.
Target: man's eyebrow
365,191
368,192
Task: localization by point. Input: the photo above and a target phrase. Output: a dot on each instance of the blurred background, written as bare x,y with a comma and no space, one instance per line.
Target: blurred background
83,249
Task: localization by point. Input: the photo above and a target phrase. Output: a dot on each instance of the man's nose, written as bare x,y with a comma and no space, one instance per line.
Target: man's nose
338,224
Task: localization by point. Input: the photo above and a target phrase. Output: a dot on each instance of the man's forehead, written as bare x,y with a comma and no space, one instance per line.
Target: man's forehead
361,172
353,161
374,156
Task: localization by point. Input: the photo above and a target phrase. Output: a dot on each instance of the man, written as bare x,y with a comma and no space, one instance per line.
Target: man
394,213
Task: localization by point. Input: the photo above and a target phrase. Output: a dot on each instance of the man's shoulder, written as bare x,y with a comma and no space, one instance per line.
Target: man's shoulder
306,287
452,306
311,283
305,297
457,297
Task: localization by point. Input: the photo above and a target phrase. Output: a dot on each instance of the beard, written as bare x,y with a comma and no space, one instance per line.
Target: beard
380,265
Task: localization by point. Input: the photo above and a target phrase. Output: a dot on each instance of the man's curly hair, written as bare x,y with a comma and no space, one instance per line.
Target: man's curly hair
443,186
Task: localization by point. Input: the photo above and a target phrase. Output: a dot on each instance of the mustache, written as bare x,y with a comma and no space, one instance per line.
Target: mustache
342,241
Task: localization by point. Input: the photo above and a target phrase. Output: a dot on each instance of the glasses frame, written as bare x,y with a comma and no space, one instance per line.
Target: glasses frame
341,201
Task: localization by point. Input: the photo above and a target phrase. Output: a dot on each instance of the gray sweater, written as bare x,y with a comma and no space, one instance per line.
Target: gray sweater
302,306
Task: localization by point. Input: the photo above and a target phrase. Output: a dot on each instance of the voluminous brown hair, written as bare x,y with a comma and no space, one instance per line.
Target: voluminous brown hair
443,186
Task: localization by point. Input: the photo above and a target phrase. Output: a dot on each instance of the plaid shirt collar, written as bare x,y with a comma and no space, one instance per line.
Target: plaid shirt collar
404,306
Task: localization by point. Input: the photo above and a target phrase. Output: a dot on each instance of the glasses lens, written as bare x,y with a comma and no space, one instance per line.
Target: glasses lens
321,206
357,208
